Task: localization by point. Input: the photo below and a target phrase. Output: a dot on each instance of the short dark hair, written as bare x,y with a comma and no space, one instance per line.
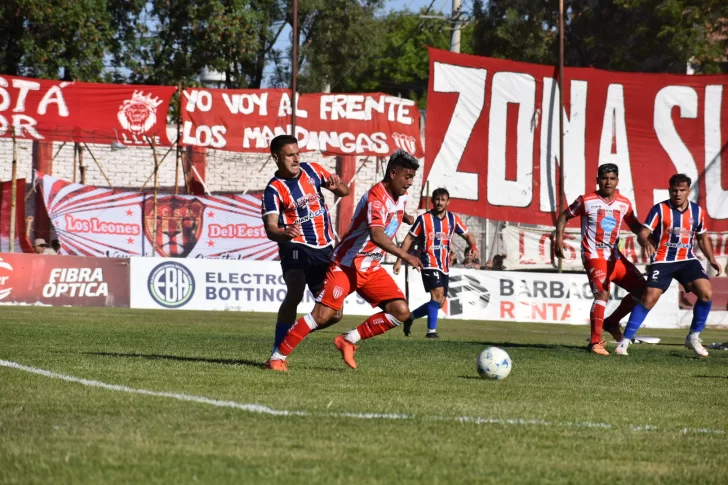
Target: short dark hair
440,191
277,143
680,178
401,158
608,168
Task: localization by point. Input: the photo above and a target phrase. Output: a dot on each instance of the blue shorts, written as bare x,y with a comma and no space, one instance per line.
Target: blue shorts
434,278
314,262
661,275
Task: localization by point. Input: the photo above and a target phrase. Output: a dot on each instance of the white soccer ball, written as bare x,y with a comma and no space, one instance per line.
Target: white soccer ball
494,363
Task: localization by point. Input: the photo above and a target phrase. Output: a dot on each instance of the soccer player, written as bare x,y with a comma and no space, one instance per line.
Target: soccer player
356,266
433,232
296,217
602,213
668,237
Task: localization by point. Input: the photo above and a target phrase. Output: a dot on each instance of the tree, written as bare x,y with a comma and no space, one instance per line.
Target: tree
379,54
69,39
179,39
625,35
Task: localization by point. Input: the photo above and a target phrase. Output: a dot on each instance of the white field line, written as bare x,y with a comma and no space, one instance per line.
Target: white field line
261,409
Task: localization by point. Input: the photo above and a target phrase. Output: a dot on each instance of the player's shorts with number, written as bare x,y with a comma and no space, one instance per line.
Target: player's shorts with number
660,275
434,278
374,286
314,262
602,272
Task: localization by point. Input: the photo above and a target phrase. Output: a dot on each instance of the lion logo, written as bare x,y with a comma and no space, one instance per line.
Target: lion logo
138,114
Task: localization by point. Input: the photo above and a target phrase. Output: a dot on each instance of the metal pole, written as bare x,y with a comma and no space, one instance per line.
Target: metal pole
156,186
13,192
178,158
457,25
98,165
561,116
294,67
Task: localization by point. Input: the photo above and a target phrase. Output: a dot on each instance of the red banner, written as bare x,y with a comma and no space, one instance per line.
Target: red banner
493,136
64,280
39,109
6,196
337,124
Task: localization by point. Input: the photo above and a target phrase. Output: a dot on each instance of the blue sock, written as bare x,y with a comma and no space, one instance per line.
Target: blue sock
433,308
421,311
638,315
700,315
281,331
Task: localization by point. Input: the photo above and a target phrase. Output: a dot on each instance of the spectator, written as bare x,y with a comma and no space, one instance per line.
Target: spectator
39,246
469,261
497,263
56,245
453,258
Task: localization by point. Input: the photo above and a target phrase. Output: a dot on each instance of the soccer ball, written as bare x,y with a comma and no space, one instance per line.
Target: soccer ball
494,363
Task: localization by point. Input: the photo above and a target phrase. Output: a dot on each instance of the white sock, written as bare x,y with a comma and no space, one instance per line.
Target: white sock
277,356
352,337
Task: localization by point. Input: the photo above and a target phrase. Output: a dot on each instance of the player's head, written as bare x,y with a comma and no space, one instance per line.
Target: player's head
679,189
400,173
284,149
440,199
607,179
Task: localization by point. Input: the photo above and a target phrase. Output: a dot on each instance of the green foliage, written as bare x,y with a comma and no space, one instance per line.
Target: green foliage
69,39
562,416
624,35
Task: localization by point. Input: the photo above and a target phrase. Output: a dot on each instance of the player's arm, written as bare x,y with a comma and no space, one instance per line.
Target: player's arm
380,238
706,246
336,185
406,245
643,237
408,219
560,226
279,234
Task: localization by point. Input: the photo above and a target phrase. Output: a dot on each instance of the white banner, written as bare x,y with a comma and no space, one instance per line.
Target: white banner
258,286
539,297
195,284
93,221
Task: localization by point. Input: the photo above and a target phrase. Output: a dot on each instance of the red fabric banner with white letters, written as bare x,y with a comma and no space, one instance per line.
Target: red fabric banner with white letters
93,221
39,109
337,124
493,136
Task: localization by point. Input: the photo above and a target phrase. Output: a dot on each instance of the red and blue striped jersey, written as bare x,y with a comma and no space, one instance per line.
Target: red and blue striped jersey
434,235
673,231
299,200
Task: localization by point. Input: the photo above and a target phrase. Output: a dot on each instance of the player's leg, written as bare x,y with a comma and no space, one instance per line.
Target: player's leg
598,273
627,276
695,280
437,300
379,289
435,282
330,300
316,275
658,280
295,279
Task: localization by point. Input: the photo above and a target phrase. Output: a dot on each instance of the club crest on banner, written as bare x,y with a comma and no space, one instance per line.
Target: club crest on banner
405,142
138,114
179,225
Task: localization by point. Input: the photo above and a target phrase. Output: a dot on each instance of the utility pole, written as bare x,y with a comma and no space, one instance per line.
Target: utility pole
457,6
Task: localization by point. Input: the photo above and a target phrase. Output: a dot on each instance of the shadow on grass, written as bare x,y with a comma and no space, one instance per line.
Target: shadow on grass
711,377
249,363
512,345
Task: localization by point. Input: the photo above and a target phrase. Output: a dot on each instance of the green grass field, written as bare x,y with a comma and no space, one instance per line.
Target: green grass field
414,412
